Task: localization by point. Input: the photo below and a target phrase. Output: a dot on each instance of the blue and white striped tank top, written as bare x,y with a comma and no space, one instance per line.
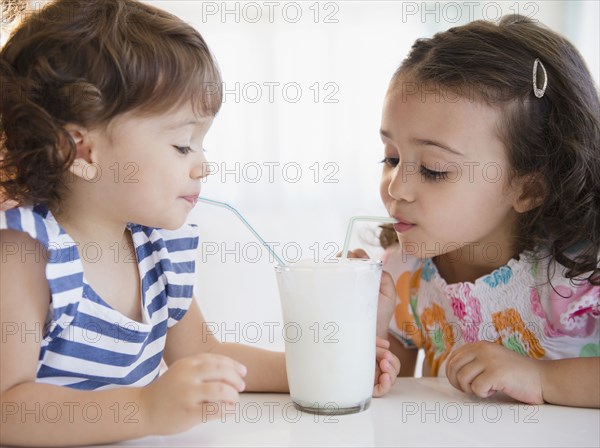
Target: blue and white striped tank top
86,343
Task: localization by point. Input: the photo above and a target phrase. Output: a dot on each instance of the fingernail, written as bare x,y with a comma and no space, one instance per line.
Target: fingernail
242,369
242,386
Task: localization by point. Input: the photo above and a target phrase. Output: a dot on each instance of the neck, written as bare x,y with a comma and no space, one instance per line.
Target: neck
470,262
87,223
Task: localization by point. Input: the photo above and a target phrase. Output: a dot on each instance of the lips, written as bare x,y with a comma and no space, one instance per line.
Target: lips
402,225
191,198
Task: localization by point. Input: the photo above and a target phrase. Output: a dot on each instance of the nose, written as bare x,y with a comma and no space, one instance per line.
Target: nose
201,167
403,179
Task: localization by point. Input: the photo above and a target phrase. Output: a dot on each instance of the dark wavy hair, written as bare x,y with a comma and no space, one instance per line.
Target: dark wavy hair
554,139
86,62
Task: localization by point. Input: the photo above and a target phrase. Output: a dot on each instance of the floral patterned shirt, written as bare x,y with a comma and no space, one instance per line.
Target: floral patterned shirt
514,306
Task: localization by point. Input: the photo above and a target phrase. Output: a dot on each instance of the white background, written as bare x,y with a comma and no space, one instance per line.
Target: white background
308,95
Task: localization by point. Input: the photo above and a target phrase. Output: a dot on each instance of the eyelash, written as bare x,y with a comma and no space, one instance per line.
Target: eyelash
425,172
183,149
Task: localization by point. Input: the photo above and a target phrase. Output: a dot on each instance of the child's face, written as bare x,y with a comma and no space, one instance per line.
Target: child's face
148,174
471,202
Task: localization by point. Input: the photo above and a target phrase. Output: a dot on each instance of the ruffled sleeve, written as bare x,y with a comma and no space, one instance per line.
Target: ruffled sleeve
572,308
64,270
406,271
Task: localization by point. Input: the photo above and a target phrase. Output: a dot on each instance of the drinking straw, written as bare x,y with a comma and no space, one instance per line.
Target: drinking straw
386,219
246,223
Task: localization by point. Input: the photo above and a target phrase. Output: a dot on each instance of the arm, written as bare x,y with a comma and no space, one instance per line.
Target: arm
385,312
42,414
30,410
407,356
571,382
484,368
266,369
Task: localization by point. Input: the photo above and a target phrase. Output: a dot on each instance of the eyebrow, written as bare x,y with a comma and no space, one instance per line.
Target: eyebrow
182,123
425,142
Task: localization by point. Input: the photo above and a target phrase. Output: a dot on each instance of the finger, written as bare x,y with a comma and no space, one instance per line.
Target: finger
221,360
381,342
216,391
386,367
387,361
358,253
382,366
455,363
394,363
467,374
383,386
220,372
380,353
457,359
483,386
378,372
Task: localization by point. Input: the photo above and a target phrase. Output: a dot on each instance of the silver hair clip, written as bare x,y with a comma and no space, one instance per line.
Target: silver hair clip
539,92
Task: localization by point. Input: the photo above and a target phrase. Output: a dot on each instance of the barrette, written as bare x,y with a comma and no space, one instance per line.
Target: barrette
537,91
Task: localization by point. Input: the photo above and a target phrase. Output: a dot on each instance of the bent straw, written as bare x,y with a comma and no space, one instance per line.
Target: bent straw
386,219
246,223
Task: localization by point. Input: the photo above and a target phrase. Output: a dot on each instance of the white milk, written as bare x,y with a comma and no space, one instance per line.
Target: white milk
330,313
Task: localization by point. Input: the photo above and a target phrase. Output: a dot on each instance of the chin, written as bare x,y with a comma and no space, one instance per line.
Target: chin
419,248
168,223
171,224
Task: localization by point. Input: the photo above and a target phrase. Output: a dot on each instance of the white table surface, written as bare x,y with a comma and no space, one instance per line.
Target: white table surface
417,412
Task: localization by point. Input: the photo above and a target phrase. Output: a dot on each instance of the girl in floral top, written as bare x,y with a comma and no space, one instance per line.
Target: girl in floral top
492,170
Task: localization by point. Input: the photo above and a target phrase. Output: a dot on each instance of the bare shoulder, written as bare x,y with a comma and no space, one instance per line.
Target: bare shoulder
20,252
23,283
25,297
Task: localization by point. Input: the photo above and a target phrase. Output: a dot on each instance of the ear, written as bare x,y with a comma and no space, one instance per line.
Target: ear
84,166
531,190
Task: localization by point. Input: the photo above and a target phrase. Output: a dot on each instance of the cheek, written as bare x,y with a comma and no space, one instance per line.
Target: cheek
467,207
384,186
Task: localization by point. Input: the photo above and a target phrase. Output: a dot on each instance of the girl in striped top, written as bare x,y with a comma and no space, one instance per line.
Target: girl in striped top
105,105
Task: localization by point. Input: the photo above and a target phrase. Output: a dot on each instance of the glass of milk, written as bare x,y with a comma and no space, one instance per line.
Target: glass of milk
329,313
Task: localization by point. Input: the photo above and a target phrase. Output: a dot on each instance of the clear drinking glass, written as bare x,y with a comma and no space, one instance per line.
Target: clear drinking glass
330,313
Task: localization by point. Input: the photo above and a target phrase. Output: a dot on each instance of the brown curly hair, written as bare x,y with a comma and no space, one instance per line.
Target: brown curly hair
84,63
555,139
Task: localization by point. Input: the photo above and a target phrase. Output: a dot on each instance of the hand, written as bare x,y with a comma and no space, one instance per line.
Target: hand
387,368
191,391
356,253
484,368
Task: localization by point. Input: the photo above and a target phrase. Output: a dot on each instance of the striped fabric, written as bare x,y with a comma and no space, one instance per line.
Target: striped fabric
87,344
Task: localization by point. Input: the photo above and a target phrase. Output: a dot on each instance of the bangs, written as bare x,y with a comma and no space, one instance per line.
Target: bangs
169,73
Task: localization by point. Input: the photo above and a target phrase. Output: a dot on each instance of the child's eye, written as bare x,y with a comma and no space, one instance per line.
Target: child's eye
183,149
433,175
391,161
